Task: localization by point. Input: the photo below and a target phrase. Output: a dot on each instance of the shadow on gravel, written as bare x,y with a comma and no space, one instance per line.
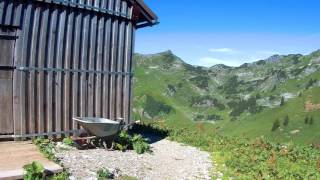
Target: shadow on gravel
151,133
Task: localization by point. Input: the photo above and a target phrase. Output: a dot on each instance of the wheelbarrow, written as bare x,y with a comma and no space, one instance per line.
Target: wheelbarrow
100,129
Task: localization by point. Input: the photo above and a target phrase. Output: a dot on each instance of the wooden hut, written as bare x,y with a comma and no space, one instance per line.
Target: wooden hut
66,58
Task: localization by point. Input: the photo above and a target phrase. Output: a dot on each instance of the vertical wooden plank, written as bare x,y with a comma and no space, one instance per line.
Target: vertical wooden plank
91,65
84,59
19,82
58,64
106,63
6,113
131,77
127,69
51,57
17,13
9,11
41,63
67,61
32,74
2,10
113,65
98,82
76,60
121,50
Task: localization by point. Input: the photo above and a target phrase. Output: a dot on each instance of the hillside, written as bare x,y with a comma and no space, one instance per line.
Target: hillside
236,101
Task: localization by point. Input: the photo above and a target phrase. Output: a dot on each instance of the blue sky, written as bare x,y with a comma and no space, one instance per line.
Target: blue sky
232,32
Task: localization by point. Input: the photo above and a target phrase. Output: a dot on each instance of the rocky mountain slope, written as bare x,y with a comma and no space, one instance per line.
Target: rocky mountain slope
253,99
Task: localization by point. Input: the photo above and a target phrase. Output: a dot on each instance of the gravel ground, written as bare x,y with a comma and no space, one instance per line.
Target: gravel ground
169,160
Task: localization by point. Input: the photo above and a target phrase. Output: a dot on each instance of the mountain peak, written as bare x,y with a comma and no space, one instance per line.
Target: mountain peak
273,58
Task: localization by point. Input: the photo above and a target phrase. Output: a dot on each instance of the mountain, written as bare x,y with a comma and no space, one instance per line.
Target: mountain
235,101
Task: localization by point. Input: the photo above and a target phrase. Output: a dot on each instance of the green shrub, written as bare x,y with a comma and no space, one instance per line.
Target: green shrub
311,120
139,144
230,87
60,176
125,141
282,101
68,141
34,171
275,125
46,147
201,82
103,174
306,120
286,121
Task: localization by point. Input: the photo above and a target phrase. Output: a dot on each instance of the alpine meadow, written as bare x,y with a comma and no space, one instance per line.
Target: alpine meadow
265,112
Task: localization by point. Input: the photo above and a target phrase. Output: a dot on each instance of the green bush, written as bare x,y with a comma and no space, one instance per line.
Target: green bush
46,147
136,142
103,174
139,144
275,125
201,82
68,141
282,101
34,171
286,121
61,176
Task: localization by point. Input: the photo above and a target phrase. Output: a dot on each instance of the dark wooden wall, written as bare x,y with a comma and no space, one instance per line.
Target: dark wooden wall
72,59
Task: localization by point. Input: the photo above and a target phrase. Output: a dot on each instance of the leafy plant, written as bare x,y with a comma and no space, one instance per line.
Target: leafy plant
60,176
126,141
103,174
34,171
139,144
68,141
123,141
46,147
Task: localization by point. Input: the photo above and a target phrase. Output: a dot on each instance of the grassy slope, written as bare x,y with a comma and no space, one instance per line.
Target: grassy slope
261,123
154,81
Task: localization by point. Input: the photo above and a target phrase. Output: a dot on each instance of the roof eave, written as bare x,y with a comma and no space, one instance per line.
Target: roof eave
150,17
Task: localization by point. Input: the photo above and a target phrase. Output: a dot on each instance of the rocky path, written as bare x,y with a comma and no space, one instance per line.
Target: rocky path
169,160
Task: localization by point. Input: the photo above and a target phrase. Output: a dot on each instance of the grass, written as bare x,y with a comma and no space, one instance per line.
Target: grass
249,159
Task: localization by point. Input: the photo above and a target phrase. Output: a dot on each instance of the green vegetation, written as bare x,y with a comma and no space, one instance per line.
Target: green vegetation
46,147
68,141
139,144
250,159
154,107
34,171
275,125
238,101
254,96
136,142
286,121
103,174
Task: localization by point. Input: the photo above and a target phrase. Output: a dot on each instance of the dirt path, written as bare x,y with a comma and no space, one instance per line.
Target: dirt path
169,160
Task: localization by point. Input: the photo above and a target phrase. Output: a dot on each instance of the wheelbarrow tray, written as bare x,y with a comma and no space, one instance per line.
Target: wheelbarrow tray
99,127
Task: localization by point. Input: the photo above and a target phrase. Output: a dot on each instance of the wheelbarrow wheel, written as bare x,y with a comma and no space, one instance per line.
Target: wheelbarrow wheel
108,145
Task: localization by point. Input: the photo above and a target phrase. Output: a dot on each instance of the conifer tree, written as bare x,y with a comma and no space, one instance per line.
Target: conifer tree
286,121
276,125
